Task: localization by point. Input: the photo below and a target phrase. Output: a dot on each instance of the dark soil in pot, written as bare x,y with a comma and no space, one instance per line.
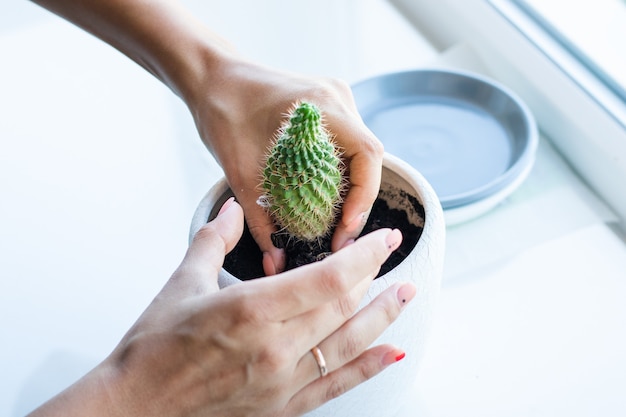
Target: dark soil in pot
245,260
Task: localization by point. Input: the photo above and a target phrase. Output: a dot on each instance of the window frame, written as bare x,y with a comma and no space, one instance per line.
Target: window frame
566,55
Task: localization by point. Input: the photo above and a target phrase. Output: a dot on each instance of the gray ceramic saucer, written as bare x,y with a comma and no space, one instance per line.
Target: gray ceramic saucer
473,139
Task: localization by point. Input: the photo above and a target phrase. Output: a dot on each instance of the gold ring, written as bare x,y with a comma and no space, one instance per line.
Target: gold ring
321,362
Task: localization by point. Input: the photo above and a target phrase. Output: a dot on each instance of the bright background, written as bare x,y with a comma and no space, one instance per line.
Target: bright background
101,169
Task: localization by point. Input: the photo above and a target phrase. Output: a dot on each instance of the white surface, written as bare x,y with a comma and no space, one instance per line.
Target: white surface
101,169
541,334
95,204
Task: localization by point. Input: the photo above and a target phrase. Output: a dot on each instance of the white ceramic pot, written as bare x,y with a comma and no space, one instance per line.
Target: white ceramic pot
385,394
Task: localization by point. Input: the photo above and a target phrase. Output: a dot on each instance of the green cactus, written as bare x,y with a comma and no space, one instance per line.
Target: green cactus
303,176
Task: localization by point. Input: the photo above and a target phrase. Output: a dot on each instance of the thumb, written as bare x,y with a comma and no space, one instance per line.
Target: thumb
197,274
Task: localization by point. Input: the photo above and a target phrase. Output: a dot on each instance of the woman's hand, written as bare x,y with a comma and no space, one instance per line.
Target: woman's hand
237,105
245,350
238,113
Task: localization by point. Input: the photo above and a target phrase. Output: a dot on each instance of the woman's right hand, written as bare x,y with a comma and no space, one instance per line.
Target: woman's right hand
245,350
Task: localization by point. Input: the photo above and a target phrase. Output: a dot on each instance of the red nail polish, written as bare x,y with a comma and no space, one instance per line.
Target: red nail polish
394,356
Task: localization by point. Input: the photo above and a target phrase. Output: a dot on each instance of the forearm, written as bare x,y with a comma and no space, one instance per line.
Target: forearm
98,393
160,35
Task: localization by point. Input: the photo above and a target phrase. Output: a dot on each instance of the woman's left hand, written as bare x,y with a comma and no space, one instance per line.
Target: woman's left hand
238,114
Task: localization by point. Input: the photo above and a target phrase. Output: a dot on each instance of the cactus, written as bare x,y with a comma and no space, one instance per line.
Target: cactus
303,176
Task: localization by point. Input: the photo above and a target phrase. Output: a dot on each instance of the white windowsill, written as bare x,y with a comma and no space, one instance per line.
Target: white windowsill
541,334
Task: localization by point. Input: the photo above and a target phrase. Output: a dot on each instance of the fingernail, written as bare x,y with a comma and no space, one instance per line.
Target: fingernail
393,357
227,204
406,293
357,223
268,264
393,240
280,260
274,262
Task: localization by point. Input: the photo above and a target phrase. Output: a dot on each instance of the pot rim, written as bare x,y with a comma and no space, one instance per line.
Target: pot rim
433,212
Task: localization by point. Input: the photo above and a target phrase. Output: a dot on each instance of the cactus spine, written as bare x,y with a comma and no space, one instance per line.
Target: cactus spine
303,176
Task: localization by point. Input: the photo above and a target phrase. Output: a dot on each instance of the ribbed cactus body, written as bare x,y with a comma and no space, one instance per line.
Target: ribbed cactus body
302,178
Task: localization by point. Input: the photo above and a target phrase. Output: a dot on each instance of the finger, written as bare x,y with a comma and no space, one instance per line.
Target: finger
367,365
364,155
328,318
205,256
306,288
261,228
358,333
